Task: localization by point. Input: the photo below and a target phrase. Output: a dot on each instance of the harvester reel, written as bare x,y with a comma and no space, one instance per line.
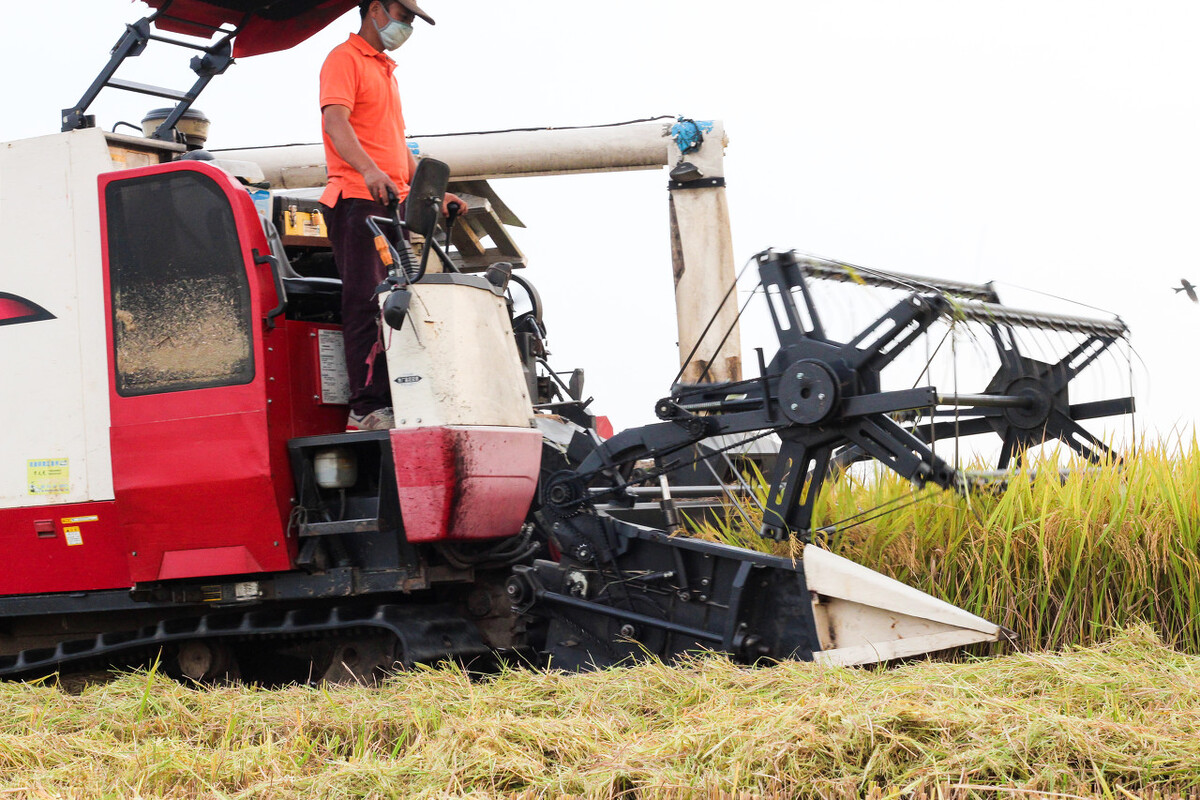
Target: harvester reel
816,393
1026,402
823,399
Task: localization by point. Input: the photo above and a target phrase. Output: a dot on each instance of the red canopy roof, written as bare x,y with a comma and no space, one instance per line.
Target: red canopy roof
272,24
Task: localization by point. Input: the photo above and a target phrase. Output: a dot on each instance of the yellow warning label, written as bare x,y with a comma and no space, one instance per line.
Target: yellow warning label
304,223
48,475
73,520
73,536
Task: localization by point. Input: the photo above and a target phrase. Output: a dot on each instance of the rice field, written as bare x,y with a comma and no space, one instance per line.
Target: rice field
1059,560
1097,573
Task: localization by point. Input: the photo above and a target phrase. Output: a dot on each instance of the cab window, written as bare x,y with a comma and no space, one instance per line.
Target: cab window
180,296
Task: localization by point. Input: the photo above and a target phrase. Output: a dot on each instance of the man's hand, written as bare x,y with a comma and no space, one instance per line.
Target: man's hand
449,198
378,184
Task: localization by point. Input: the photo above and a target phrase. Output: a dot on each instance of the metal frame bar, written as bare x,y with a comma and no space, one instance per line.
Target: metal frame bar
215,60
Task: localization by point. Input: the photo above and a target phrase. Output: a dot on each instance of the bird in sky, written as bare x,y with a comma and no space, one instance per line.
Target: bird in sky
1190,288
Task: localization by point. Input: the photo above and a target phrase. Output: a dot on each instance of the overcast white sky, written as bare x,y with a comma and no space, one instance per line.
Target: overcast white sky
1050,145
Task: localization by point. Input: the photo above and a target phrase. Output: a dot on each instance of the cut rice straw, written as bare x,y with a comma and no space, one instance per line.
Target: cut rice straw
1106,721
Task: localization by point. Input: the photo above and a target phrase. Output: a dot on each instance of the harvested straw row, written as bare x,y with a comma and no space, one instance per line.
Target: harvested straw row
1114,719
1058,560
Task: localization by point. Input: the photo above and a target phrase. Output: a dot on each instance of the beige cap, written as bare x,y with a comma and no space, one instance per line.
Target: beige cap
411,5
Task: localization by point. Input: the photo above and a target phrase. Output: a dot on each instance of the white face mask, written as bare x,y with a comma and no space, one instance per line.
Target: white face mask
394,34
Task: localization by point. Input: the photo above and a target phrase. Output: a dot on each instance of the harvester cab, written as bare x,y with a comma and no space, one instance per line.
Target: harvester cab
182,481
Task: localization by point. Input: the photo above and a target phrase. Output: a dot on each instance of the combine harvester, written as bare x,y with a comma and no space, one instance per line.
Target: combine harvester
176,478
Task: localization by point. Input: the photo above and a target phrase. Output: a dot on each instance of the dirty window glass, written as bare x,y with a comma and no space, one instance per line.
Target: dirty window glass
181,301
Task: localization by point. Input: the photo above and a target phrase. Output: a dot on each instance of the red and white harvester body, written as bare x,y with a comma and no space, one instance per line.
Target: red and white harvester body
174,473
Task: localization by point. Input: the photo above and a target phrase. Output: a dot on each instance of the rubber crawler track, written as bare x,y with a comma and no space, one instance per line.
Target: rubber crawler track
424,633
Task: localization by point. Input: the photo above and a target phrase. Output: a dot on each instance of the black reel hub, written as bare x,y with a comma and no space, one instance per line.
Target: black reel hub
1041,403
808,392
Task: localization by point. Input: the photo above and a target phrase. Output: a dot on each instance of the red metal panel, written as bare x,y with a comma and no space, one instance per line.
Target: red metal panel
208,561
197,483
86,551
291,22
465,482
309,416
195,470
293,409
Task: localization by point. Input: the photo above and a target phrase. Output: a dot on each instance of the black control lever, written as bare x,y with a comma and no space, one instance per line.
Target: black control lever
393,207
399,260
452,212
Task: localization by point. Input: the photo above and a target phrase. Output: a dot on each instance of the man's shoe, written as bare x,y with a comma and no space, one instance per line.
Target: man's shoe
381,419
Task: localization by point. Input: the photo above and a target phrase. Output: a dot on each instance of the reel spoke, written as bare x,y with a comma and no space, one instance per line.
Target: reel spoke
795,484
1008,450
1062,373
1103,408
886,441
1090,448
1006,347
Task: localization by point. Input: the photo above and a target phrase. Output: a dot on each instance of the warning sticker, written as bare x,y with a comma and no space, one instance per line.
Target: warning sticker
73,535
331,355
48,475
73,520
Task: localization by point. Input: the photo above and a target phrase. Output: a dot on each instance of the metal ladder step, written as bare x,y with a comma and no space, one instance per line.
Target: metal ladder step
145,88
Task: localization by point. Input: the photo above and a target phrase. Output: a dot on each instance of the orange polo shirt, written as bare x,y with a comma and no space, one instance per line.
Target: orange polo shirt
358,77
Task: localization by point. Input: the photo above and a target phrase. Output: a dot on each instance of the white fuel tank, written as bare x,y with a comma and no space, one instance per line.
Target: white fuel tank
454,360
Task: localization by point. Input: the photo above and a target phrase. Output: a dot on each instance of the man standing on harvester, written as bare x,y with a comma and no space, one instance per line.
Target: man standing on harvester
366,156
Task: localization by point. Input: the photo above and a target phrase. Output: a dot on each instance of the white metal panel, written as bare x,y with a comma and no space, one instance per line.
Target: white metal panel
836,577
54,398
863,617
455,362
888,650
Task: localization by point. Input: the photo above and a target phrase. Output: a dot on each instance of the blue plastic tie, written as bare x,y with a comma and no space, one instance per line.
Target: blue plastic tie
689,134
